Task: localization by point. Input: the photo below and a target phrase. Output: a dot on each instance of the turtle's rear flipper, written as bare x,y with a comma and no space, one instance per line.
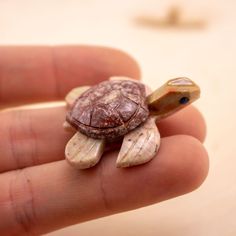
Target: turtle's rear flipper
83,152
74,94
140,145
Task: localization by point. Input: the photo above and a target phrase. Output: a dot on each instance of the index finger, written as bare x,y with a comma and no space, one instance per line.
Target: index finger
36,74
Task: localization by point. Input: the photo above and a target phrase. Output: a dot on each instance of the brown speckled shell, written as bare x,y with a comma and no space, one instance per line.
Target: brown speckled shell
110,109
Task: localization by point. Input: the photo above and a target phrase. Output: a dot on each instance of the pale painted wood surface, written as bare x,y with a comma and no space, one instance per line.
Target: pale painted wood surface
207,56
83,152
140,145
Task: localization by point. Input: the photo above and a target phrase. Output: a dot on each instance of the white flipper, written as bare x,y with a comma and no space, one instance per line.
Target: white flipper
83,152
140,145
74,94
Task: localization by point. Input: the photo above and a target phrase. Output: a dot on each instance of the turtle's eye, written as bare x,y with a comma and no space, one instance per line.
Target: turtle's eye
184,100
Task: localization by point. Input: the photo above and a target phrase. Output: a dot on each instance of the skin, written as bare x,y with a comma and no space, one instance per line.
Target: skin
40,192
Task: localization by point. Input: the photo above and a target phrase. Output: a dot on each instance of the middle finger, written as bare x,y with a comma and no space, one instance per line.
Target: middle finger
34,137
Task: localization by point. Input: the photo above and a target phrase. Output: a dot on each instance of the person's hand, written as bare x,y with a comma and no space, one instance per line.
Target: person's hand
40,192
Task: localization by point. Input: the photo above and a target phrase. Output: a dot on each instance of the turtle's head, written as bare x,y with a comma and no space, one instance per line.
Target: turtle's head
172,96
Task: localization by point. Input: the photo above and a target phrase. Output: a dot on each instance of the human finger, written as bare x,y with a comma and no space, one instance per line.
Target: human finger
32,74
188,121
40,199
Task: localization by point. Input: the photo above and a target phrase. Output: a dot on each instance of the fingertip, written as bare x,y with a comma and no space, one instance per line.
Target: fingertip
89,65
200,166
197,124
188,166
188,121
121,63
203,126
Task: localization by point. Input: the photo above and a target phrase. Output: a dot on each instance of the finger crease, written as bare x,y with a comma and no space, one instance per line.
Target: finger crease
55,74
22,202
33,138
22,139
13,146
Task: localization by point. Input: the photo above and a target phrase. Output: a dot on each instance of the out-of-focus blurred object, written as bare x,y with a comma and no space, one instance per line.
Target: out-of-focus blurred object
175,18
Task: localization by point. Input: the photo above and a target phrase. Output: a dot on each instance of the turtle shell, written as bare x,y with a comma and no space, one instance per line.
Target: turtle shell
110,109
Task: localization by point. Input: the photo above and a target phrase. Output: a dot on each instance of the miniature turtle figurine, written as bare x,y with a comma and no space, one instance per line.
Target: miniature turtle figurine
122,108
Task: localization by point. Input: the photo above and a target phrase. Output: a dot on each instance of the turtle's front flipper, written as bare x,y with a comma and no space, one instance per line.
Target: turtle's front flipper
83,152
140,145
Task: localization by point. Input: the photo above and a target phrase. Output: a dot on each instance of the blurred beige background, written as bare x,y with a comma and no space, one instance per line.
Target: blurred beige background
205,55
